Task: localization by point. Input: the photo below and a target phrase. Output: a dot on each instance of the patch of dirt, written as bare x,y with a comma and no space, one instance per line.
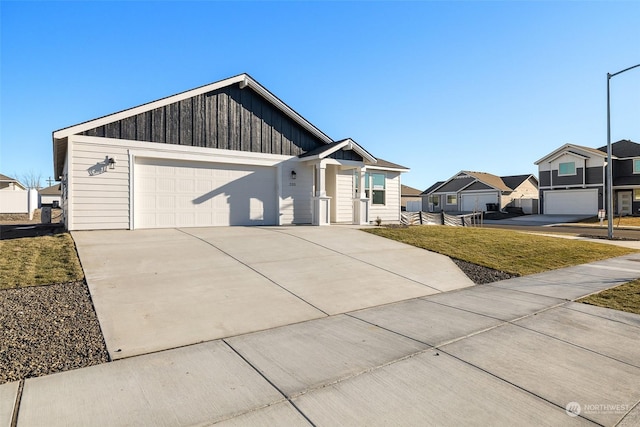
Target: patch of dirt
13,219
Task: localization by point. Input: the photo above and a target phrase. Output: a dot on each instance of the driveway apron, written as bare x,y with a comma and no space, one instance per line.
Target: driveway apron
159,289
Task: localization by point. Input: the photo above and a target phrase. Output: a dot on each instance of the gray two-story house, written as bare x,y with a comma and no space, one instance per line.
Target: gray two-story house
573,179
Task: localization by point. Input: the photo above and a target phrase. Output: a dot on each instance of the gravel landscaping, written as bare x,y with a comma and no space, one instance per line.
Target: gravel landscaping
48,329
482,275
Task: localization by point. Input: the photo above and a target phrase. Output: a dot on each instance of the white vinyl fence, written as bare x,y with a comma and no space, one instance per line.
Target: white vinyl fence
19,202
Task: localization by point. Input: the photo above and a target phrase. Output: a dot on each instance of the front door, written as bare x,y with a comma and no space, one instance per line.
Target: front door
624,203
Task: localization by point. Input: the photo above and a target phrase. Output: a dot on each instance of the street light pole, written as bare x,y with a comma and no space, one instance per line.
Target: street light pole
609,163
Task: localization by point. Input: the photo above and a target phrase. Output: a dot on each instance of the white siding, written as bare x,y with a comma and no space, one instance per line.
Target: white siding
296,194
99,195
390,211
64,198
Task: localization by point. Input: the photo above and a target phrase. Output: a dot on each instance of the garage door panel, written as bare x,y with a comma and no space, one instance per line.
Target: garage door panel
571,202
194,194
477,201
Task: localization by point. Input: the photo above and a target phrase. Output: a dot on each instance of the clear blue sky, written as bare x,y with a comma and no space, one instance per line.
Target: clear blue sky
436,86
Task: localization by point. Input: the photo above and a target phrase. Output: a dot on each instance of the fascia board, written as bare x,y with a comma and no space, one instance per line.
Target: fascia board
382,168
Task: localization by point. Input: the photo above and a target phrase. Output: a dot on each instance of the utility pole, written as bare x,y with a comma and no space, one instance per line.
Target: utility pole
609,155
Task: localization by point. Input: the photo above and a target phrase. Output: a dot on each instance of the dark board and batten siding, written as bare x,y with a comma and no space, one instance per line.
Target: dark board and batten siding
229,118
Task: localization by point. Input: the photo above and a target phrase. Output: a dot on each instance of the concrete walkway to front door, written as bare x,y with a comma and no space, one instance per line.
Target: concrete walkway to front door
160,289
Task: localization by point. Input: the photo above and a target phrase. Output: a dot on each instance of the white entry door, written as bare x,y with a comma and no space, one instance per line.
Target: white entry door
175,193
624,203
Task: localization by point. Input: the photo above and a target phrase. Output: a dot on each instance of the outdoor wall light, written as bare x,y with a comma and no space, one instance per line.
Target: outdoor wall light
293,174
112,163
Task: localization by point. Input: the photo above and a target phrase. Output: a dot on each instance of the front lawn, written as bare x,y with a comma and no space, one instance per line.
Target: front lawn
625,221
31,261
624,297
505,250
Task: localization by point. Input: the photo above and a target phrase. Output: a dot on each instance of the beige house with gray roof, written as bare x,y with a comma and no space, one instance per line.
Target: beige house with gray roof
469,191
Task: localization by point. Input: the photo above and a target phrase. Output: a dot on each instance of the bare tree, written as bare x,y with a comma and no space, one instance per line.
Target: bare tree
30,179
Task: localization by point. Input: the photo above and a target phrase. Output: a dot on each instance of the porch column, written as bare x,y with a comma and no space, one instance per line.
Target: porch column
321,202
360,202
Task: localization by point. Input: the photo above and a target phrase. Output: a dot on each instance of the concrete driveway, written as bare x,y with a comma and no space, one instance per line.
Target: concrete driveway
160,289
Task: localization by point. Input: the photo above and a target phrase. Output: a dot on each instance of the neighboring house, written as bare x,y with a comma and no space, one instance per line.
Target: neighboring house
412,196
51,196
573,179
228,153
469,191
10,184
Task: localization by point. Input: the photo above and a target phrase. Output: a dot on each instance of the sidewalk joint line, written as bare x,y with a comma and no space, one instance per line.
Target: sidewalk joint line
16,404
512,384
356,259
255,271
288,399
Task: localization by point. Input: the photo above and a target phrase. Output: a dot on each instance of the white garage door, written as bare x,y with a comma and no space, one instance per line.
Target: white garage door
171,193
477,201
570,202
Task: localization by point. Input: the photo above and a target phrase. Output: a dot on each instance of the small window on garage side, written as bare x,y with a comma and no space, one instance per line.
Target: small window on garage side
377,182
452,199
567,168
636,194
636,165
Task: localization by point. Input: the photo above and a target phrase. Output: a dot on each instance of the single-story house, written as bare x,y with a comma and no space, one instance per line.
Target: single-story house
10,184
410,195
51,196
573,179
227,153
469,191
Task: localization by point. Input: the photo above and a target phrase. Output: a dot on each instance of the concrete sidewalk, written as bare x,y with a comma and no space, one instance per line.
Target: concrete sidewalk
513,352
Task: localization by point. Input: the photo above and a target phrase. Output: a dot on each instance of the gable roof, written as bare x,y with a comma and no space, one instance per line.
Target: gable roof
5,178
573,149
433,187
385,164
54,190
464,179
346,144
514,181
623,148
405,190
489,179
244,79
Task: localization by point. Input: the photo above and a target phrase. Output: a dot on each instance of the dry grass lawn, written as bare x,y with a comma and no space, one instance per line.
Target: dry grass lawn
504,250
625,221
624,298
40,260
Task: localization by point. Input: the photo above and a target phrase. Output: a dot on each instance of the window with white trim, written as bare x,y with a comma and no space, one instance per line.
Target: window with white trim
567,168
375,183
636,165
452,199
636,194
434,199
